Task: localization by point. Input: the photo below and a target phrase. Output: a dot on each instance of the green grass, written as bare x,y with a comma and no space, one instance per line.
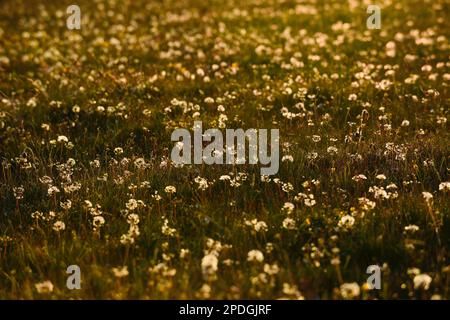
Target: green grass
134,58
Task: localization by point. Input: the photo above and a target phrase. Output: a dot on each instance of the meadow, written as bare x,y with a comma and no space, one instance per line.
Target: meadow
86,177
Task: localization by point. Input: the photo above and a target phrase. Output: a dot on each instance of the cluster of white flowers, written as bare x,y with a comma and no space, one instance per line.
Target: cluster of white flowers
166,230
346,222
258,226
203,183
307,199
255,255
350,290
210,260
133,230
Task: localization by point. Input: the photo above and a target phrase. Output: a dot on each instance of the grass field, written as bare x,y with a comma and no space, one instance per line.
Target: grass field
86,179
